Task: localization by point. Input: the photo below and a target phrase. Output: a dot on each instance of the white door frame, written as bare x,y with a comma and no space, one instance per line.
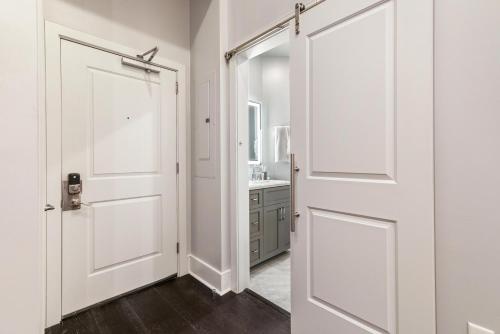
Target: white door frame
51,137
238,147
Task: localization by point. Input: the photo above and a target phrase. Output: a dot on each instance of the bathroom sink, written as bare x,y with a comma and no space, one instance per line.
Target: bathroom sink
260,184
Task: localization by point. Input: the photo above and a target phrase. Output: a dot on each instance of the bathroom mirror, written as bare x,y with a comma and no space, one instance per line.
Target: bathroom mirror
254,133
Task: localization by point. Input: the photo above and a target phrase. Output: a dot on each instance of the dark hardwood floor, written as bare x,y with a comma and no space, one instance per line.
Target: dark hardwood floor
182,306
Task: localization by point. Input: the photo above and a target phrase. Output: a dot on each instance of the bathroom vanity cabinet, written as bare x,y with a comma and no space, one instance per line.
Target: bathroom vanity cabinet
269,222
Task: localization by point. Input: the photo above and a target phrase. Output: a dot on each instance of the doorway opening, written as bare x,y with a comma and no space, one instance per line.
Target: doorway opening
269,175
263,171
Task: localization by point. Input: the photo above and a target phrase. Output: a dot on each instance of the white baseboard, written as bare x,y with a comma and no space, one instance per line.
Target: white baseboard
220,281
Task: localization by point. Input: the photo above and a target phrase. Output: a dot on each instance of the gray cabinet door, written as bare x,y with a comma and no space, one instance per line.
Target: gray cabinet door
276,233
276,195
269,223
255,251
255,199
256,222
270,233
284,228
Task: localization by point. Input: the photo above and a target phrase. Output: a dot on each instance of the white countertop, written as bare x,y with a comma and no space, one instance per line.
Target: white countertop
253,185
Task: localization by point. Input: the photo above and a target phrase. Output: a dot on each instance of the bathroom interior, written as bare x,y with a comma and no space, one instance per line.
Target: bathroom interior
269,175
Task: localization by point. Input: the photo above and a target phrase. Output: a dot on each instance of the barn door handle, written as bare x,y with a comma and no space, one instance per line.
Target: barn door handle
293,170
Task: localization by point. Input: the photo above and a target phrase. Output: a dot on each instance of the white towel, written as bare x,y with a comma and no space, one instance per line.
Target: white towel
281,143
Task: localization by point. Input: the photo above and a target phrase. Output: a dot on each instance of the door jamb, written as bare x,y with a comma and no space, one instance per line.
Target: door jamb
238,137
50,138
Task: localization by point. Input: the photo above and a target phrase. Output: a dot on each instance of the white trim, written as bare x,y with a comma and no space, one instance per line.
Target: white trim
51,139
223,145
238,147
476,329
219,281
42,154
240,237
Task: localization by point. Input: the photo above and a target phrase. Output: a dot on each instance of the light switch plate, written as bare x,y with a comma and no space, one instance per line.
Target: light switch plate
475,329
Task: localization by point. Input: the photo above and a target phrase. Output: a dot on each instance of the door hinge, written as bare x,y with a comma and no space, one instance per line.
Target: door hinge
177,168
299,8
176,88
178,248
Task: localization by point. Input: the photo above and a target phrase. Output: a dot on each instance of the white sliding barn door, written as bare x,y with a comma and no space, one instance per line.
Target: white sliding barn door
119,133
362,132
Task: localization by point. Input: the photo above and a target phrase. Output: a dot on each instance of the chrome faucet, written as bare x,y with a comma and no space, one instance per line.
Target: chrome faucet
258,173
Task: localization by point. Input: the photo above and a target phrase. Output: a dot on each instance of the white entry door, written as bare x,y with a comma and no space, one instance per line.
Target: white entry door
362,129
119,133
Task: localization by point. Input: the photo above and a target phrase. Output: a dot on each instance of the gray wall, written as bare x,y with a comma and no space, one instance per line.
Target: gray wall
467,141
249,17
206,191
255,93
136,24
207,224
255,80
21,288
276,97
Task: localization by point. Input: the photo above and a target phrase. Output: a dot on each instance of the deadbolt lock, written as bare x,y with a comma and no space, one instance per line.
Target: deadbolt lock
72,192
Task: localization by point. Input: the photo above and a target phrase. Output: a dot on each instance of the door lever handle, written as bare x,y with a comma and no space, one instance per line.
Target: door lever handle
49,207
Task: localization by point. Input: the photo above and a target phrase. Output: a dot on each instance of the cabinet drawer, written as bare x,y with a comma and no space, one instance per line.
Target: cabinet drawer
255,222
276,195
255,199
255,251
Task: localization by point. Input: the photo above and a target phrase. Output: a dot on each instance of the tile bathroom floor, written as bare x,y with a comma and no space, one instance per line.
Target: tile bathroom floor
271,280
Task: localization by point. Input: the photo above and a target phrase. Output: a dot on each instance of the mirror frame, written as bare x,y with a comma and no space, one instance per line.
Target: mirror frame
258,106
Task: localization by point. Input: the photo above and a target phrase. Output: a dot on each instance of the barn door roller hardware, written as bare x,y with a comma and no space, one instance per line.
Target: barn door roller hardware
300,8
